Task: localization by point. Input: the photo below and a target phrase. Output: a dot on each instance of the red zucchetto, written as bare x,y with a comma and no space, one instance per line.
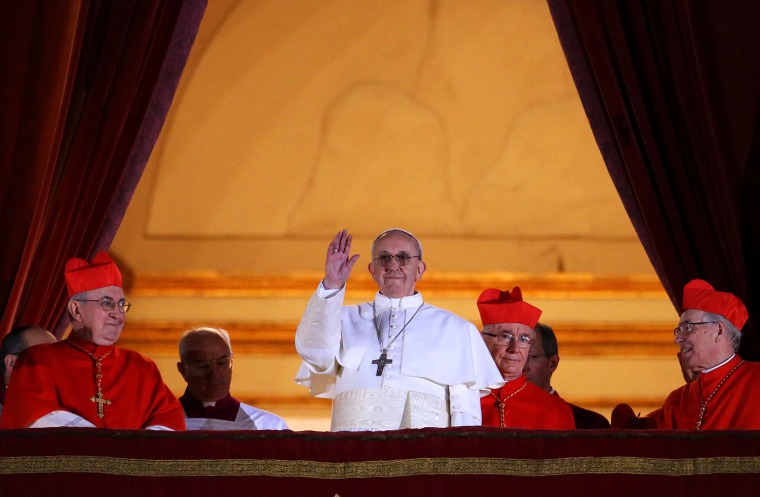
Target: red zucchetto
82,276
496,306
700,295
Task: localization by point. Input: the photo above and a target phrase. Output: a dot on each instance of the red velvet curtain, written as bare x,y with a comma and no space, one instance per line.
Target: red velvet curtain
86,87
671,90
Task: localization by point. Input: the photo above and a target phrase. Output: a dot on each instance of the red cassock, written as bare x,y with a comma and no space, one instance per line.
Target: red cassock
734,406
526,406
60,376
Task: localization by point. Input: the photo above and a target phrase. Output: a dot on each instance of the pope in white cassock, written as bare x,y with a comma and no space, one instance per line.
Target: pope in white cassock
395,362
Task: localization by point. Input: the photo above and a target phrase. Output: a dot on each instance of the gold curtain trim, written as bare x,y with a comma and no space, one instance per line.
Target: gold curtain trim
380,469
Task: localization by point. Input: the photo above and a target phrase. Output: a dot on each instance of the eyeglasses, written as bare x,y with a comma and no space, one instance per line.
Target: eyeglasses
385,259
533,357
107,303
202,368
686,327
523,341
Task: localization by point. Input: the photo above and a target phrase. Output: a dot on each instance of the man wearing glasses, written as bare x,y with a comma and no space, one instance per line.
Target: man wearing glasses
508,331
725,394
86,380
393,362
206,365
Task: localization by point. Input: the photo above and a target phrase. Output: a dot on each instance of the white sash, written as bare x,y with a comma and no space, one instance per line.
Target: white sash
379,409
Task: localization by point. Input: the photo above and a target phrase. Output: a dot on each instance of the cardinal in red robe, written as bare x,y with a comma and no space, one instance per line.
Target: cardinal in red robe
726,392
508,330
86,380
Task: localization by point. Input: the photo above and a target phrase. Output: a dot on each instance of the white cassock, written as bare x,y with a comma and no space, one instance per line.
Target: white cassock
437,368
248,418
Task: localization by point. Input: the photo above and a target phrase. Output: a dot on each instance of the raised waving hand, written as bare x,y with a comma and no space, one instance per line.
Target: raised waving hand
338,264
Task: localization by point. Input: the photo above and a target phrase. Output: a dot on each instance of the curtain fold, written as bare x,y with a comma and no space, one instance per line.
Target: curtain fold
671,90
38,56
90,87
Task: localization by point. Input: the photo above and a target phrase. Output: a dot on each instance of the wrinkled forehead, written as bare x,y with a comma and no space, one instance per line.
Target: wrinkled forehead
396,240
113,292
513,328
206,341
692,315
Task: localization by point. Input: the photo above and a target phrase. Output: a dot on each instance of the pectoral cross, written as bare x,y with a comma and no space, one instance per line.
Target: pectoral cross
100,401
381,362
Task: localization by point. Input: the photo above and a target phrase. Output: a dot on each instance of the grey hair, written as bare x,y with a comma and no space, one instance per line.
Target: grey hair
76,296
733,332
548,339
79,296
396,230
221,333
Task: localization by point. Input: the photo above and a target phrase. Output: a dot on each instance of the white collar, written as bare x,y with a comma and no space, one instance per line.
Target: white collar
400,303
719,365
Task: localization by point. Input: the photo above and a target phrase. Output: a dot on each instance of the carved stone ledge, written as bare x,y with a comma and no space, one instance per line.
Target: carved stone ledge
575,286
623,339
